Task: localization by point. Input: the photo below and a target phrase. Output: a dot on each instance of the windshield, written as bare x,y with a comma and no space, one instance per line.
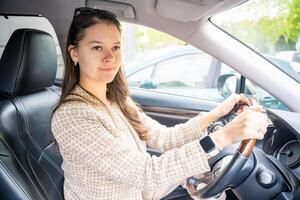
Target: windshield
271,28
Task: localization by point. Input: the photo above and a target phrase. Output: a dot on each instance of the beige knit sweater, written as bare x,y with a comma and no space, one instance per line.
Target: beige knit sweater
103,157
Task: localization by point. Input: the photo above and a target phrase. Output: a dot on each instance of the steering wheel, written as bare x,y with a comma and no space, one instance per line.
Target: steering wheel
223,180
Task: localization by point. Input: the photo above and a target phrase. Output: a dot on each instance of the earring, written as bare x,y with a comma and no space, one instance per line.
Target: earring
75,63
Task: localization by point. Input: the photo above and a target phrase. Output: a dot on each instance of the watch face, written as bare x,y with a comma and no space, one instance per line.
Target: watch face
207,144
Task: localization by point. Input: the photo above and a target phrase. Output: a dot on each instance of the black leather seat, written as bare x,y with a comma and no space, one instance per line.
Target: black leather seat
30,163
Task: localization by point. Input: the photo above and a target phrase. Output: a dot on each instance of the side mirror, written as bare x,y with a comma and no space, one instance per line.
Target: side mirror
227,84
148,84
231,83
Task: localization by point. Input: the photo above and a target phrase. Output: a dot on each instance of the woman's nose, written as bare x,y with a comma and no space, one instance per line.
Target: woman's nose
109,56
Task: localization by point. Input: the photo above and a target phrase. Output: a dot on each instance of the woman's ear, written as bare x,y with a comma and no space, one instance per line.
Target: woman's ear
73,53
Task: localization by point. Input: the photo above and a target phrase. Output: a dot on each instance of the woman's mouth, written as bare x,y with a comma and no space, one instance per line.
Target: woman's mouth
107,69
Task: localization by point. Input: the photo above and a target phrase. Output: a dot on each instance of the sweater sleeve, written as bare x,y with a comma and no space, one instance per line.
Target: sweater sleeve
165,138
83,137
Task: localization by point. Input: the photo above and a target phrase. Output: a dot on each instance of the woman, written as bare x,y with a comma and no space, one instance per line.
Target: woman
102,134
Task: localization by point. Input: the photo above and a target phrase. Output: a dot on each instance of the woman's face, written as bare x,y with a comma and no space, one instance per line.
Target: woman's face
98,53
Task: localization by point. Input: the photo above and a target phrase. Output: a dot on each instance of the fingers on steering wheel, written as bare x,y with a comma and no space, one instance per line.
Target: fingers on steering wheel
241,108
238,108
244,100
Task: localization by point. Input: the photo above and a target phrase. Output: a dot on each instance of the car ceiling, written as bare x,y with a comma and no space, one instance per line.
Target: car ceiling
147,12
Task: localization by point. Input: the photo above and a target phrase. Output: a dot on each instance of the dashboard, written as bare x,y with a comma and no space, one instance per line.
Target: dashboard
283,139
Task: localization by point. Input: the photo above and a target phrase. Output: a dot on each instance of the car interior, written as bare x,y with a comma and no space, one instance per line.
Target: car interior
30,162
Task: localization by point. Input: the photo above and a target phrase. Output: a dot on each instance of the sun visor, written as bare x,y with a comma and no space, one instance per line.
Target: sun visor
122,10
186,10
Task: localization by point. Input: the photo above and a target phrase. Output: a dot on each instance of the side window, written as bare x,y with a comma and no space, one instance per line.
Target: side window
187,71
140,77
225,69
11,23
156,61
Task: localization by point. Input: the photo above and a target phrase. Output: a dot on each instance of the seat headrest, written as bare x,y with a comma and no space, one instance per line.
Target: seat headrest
28,62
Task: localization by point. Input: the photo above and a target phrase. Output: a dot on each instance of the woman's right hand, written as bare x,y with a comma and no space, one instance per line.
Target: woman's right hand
251,123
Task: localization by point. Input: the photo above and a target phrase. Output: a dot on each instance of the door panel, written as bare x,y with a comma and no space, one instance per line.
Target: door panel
174,108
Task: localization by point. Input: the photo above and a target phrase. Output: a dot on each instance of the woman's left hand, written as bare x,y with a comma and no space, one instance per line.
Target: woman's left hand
227,105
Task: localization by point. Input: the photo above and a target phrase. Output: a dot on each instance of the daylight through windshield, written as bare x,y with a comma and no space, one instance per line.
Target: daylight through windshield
271,28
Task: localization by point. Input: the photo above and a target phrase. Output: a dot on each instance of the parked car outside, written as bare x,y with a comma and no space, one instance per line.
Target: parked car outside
290,56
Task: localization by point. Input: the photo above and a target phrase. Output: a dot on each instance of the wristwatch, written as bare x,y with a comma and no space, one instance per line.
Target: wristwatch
208,145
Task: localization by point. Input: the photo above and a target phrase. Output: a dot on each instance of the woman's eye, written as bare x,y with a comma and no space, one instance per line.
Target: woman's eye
97,48
115,48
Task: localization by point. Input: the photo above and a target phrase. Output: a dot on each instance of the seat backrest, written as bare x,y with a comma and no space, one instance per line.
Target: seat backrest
30,163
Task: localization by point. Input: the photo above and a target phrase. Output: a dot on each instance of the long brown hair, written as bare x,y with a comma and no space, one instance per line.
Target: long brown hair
118,89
